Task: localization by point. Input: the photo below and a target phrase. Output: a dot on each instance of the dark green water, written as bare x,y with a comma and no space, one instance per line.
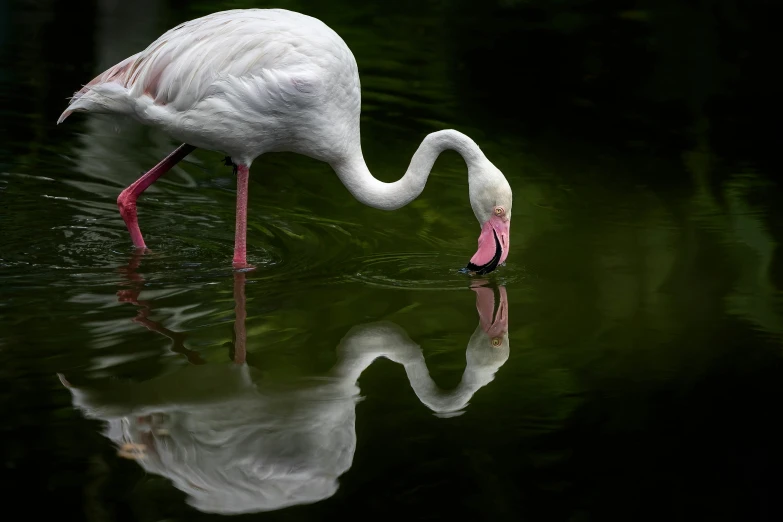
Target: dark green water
641,372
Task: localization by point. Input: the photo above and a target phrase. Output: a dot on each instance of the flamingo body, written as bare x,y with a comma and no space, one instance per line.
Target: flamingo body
249,81
266,80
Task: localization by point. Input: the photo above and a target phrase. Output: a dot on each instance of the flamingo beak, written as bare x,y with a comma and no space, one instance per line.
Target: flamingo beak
494,324
492,246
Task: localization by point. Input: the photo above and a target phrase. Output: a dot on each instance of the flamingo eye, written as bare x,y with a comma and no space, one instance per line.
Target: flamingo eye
497,341
499,211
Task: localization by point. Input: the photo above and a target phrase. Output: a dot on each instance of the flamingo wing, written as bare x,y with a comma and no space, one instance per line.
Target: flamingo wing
181,68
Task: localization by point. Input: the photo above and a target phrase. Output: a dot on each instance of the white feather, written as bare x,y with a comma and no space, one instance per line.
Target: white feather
243,82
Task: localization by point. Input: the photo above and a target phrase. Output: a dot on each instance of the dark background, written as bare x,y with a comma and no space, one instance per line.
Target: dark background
651,81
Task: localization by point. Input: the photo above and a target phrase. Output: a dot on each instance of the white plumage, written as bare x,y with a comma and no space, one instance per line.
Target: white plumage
264,80
247,82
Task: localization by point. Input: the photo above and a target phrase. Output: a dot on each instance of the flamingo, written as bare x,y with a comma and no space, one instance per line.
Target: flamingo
249,81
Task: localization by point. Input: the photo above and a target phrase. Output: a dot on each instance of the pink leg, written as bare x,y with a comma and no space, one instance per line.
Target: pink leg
127,199
240,238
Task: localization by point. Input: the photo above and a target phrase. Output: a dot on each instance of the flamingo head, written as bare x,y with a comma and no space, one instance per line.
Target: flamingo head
490,197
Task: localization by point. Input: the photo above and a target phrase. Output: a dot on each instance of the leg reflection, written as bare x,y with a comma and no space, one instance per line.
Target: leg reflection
240,335
131,295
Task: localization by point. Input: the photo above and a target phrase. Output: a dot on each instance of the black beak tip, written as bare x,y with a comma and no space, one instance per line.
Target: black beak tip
472,269
493,263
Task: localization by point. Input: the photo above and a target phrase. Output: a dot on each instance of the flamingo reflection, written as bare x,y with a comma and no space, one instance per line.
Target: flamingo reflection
236,443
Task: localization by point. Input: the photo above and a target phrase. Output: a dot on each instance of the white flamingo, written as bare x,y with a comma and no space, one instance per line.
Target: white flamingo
246,82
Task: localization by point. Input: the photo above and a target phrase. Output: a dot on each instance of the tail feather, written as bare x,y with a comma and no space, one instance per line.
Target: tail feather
107,92
64,115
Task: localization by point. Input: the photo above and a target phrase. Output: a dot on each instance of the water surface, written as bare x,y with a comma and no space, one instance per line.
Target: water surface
626,362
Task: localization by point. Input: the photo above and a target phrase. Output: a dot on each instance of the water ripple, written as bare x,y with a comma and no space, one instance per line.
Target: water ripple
418,271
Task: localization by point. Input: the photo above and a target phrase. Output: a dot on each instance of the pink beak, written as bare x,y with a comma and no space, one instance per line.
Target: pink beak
492,246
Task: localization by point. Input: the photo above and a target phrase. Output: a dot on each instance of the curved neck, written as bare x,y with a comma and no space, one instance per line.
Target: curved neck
365,344
442,401
356,177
